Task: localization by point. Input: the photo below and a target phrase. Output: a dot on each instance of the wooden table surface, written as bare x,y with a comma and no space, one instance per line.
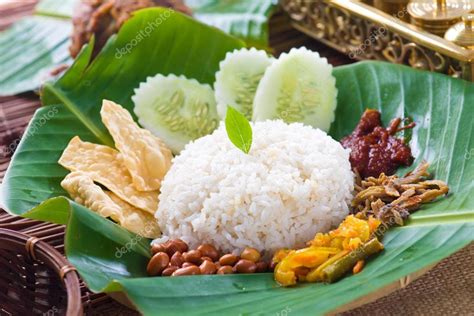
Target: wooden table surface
15,112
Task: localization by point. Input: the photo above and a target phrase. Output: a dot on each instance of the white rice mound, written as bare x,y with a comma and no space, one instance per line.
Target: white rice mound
296,181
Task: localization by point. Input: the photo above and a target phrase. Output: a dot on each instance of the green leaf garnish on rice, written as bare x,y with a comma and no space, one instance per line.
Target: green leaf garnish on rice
238,129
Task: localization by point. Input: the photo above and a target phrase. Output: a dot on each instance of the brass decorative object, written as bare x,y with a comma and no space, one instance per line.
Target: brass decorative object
437,16
364,32
462,33
393,7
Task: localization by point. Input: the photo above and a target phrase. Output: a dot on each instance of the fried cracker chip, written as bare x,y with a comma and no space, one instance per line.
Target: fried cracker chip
136,220
104,165
83,190
146,157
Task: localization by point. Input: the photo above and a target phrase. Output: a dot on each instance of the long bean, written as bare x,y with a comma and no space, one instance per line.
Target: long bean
340,267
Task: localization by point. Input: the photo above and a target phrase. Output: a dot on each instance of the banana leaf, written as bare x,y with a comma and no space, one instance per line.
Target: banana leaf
245,19
30,50
61,9
34,46
110,259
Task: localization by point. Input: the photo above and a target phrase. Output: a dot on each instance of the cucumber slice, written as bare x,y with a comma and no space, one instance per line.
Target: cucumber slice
298,87
238,78
176,109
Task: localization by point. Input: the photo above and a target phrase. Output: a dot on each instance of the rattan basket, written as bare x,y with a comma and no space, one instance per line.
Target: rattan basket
35,279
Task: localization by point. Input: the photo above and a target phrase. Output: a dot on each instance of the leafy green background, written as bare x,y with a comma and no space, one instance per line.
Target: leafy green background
29,50
34,46
441,106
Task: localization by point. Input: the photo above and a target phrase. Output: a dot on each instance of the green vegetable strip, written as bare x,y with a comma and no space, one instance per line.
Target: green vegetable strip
339,268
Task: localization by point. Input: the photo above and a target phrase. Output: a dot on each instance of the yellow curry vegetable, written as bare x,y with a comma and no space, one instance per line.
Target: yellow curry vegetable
329,255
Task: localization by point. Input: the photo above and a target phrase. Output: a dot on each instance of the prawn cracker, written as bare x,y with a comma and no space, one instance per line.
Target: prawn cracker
136,220
146,157
85,192
104,165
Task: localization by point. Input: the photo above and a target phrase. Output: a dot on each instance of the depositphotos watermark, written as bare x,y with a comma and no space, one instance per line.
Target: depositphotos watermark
379,233
380,32
10,148
373,37
284,312
144,33
469,154
133,241
51,312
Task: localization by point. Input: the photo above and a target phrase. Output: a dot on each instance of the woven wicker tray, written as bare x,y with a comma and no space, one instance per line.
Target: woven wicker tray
447,289
35,277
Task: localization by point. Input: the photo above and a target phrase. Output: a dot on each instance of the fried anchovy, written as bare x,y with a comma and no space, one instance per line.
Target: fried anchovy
391,199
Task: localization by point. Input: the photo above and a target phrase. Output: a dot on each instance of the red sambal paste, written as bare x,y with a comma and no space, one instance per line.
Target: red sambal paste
375,149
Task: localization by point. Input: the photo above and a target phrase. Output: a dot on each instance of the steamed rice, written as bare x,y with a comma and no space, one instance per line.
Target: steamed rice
296,181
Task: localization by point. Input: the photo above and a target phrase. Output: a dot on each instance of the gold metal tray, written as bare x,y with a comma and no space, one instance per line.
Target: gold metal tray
364,32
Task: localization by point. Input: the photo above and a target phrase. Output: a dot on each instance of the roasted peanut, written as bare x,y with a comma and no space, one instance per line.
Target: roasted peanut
245,266
228,260
193,256
187,264
191,270
206,259
261,267
155,248
177,259
174,245
225,270
182,246
208,267
169,271
251,254
157,263
210,251
169,249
